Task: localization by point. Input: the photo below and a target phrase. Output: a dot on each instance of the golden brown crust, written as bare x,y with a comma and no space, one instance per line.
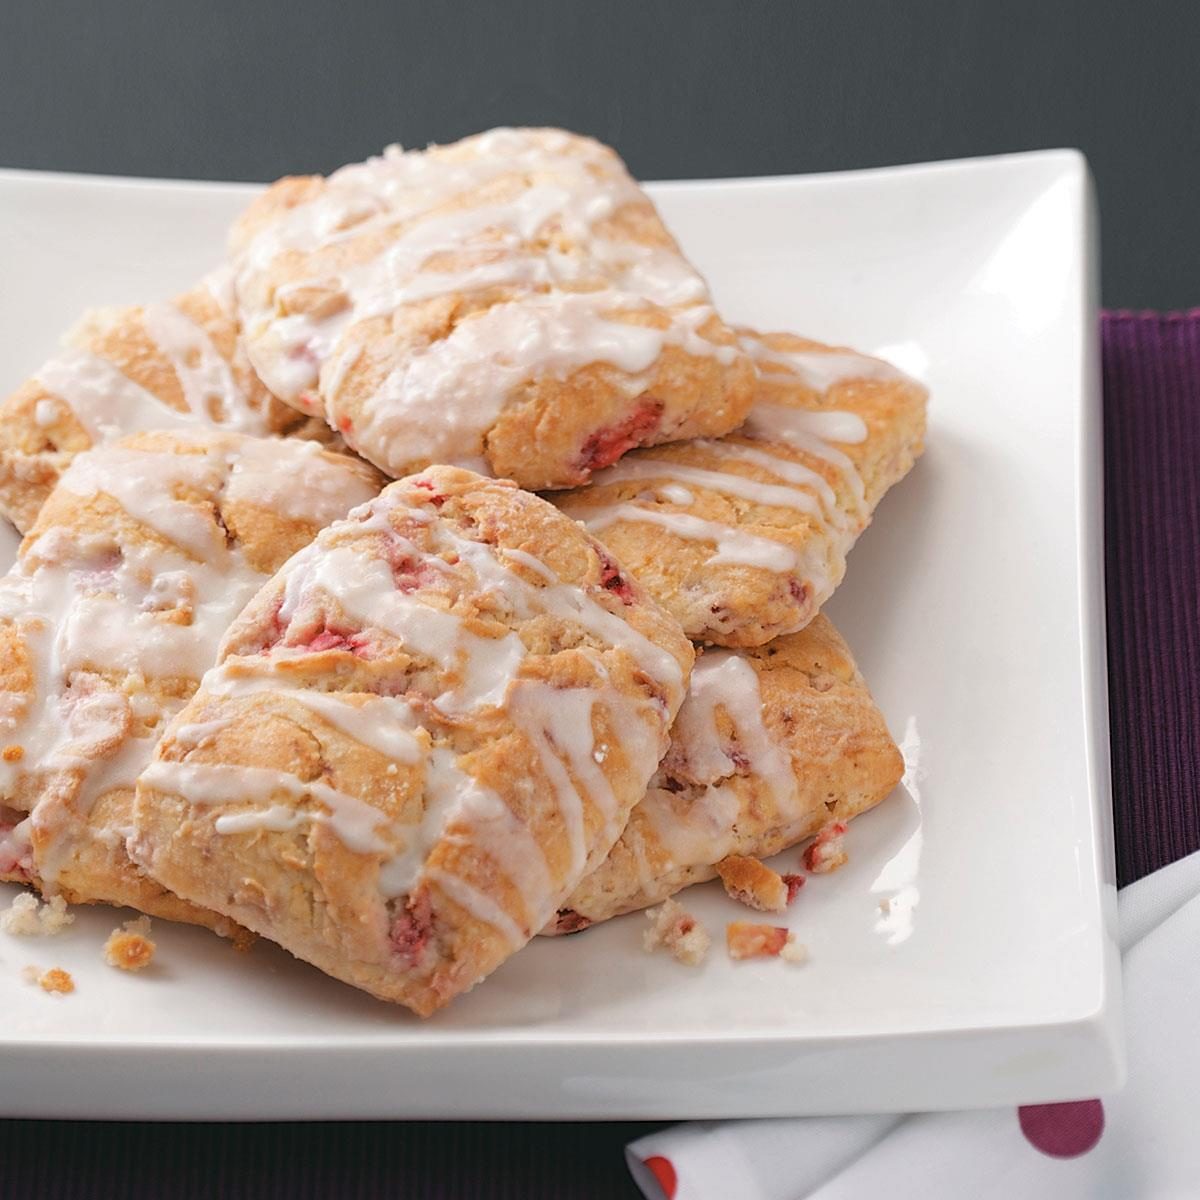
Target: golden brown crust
750,549
420,734
713,795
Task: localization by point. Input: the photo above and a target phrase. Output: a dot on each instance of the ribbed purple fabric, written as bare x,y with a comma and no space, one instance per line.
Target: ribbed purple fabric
1152,544
1152,508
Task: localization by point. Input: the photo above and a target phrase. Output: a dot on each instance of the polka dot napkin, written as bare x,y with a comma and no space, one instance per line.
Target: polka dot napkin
1140,1143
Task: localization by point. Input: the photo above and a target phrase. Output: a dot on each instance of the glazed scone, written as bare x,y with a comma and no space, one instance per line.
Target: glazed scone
511,302
770,746
126,370
139,560
744,538
420,736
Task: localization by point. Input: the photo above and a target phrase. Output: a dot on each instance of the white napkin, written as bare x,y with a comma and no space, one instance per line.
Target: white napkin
1143,1144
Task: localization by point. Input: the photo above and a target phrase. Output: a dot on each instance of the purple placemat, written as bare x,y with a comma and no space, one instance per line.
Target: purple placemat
1152,510
1152,551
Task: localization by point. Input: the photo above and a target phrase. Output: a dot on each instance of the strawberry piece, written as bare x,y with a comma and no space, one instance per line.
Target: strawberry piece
604,447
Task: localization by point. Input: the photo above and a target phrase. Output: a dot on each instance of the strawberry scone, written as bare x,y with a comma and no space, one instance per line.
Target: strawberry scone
743,538
419,737
771,746
176,365
511,302
141,557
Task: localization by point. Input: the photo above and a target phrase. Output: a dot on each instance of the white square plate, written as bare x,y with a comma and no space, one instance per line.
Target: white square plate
974,605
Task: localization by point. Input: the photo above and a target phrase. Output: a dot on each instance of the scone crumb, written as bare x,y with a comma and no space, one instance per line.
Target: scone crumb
130,948
793,951
28,917
828,849
745,939
675,929
754,884
56,981
13,753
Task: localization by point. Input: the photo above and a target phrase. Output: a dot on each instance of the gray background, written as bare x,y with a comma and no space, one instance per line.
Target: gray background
252,90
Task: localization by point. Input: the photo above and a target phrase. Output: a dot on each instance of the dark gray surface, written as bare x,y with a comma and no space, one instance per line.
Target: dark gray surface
252,90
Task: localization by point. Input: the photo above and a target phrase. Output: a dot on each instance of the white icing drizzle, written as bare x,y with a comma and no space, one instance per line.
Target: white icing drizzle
818,370
485,666
460,808
198,733
106,402
534,563
209,388
795,427
480,905
297,479
725,482
674,494
366,593
144,482
437,405
385,724
785,468
276,818
354,821
705,830
733,545
568,603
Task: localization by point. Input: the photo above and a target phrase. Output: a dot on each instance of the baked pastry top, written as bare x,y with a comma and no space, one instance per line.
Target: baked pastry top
141,557
421,734
177,365
743,538
511,302
771,745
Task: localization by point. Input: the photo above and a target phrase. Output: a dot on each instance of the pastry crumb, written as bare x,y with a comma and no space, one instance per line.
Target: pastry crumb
130,948
885,906
676,930
12,754
754,884
29,917
744,939
828,849
55,981
793,951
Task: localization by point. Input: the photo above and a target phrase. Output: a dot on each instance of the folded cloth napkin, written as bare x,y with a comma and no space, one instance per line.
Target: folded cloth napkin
1142,1142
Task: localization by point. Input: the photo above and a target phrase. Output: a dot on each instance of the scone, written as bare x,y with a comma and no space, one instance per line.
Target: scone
771,745
744,538
511,302
421,734
139,560
126,370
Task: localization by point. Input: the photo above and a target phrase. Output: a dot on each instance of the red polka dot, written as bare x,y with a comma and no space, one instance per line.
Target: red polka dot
1063,1130
664,1172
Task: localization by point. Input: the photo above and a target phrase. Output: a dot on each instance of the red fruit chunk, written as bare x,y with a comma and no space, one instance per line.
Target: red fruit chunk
412,929
613,579
604,447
